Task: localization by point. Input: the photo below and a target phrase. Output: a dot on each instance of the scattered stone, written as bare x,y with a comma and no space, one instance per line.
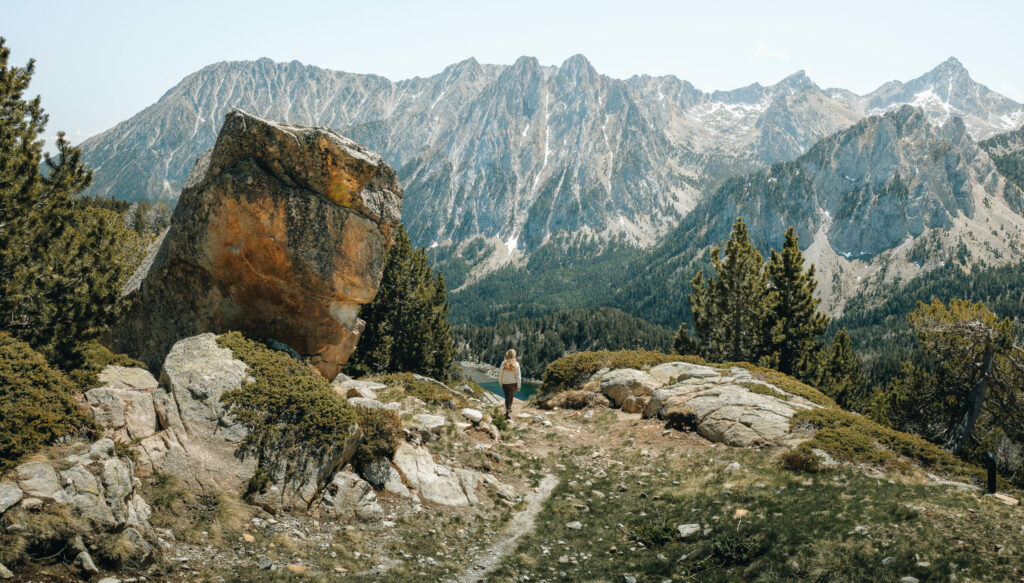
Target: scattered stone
432,423
372,404
687,530
923,564
109,580
84,562
264,564
733,467
1008,500
909,579
888,560
10,494
472,415
574,525
627,578
248,537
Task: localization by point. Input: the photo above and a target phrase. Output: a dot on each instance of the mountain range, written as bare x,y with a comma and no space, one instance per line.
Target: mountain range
503,165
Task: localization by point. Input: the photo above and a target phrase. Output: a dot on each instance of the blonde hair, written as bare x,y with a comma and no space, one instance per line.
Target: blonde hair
510,360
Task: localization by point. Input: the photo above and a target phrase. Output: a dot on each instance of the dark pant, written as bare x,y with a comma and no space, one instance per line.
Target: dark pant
510,391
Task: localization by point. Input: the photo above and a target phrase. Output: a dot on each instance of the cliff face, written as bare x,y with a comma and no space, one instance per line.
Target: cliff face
888,198
281,232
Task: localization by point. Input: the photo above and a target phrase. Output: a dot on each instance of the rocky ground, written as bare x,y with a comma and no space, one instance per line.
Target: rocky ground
596,494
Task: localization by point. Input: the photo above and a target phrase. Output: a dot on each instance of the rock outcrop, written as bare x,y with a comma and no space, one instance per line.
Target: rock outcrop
729,406
435,482
280,232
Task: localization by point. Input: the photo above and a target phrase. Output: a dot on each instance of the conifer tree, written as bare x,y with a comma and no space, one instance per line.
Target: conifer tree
793,324
841,376
61,264
407,328
683,343
729,309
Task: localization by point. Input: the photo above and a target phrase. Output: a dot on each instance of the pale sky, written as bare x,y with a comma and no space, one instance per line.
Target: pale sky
100,62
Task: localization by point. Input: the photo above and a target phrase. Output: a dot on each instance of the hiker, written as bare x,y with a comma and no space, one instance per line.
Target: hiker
510,379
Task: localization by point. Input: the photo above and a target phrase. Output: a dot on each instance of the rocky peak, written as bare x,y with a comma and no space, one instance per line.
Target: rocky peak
795,83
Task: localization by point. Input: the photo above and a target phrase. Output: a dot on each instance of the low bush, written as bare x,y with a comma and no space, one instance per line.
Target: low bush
800,460
294,419
498,418
735,549
37,403
572,370
93,357
430,392
850,437
762,389
575,399
382,434
786,383
654,533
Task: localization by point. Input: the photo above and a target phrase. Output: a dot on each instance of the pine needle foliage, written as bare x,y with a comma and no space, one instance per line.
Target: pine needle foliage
407,328
295,421
37,404
61,263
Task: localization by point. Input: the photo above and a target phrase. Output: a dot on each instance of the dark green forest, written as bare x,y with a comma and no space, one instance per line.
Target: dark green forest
541,340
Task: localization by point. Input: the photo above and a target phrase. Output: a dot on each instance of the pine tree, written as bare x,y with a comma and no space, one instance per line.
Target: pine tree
407,327
729,309
841,376
61,263
683,343
793,324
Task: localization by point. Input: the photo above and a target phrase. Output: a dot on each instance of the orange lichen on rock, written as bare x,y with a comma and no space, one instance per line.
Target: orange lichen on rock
281,232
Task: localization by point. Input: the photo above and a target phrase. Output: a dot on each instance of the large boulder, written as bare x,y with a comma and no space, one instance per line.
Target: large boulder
727,411
435,482
280,232
619,384
124,402
198,438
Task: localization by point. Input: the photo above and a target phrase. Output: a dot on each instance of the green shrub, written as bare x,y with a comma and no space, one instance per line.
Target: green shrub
761,389
572,370
474,388
654,534
498,418
382,434
786,383
801,460
294,419
850,437
93,357
427,391
735,549
37,403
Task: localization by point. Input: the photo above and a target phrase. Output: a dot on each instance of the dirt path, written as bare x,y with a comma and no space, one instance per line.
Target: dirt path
521,523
